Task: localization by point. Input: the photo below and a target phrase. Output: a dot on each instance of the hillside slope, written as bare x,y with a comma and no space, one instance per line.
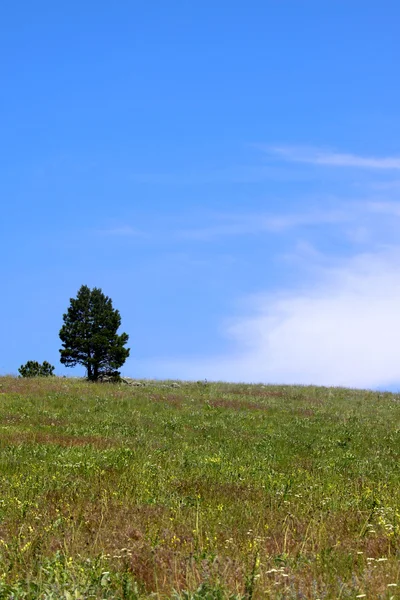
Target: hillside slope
111,491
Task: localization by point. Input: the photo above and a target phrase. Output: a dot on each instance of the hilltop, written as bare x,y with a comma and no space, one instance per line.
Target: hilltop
197,490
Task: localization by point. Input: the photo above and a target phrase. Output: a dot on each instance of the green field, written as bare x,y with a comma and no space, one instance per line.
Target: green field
203,491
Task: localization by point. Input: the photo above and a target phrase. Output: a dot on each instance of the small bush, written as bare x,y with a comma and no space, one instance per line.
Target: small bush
34,369
110,377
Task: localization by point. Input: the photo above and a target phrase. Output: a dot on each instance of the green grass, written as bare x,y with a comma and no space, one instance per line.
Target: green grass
202,492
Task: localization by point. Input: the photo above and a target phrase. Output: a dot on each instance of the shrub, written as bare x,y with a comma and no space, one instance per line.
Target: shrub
34,369
110,377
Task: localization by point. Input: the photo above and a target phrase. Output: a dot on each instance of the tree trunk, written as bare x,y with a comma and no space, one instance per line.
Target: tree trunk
89,373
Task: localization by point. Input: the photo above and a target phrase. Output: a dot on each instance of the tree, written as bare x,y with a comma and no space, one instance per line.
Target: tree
89,335
34,369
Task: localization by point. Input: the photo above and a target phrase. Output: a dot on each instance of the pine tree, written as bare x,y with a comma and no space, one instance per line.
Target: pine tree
34,369
89,334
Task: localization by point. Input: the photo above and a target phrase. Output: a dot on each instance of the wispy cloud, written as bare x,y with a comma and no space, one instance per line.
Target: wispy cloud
123,231
318,156
233,174
386,186
385,208
360,216
250,224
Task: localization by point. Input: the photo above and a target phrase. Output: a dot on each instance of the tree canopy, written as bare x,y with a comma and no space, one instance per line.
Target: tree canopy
89,334
34,369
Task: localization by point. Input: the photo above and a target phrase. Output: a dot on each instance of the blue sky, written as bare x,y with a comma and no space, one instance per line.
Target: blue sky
228,172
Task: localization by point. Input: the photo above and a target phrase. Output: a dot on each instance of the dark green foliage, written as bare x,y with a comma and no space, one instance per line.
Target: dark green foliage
89,335
34,369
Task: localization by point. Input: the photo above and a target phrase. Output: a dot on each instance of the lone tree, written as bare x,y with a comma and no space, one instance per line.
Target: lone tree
89,335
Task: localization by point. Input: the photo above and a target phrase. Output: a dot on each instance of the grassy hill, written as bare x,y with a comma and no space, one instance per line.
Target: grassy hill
198,491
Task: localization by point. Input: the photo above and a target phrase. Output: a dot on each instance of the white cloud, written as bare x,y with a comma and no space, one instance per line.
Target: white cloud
316,156
345,330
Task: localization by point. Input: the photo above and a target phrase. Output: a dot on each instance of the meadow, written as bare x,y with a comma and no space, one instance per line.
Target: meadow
203,491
